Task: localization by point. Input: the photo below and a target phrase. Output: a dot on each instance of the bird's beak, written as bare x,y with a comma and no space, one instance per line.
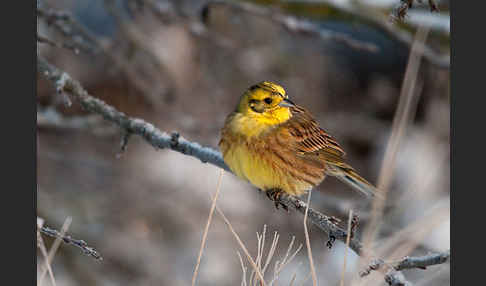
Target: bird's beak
286,103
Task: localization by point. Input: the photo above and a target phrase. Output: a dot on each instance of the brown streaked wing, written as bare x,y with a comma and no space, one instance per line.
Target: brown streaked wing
309,138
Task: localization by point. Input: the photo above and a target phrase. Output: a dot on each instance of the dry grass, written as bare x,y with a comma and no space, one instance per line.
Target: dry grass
307,242
406,240
347,246
53,250
403,242
243,247
404,114
42,247
270,255
206,229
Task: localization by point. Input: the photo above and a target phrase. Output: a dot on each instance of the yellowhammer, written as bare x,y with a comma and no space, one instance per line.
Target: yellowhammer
278,146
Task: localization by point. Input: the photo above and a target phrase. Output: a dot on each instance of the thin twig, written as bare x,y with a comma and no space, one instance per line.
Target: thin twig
44,40
296,25
285,261
50,118
400,123
403,242
242,245
69,240
81,38
54,247
243,269
41,245
323,222
347,244
403,116
206,229
307,242
84,40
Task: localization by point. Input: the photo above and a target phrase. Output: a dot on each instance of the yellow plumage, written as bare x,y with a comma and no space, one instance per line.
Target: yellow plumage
277,146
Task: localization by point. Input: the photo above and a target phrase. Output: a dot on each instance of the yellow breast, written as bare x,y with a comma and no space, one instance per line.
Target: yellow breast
251,159
261,170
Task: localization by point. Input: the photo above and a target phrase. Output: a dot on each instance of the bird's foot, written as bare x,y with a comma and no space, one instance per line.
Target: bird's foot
354,225
274,195
331,241
334,220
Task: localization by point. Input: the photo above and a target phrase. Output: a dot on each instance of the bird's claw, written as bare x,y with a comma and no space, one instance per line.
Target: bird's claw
274,195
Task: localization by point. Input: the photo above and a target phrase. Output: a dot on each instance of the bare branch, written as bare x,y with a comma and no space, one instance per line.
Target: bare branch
69,240
423,261
69,28
44,40
136,126
325,223
394,277
50,118
54,247
408,262
293,24
84,40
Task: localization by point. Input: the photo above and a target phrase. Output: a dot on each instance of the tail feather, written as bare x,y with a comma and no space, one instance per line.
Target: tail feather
350,177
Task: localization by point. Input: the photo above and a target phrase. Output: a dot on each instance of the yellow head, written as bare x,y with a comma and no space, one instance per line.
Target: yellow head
265,102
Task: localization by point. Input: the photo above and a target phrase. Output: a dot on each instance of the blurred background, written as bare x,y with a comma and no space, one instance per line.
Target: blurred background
182,66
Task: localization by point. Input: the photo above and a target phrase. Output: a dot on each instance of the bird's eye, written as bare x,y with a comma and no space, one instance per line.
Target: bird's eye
268,100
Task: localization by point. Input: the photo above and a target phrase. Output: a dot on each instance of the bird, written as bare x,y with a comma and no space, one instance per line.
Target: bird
280,148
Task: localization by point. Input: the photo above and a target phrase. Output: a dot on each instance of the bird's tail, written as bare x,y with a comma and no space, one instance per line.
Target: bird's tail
347,174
